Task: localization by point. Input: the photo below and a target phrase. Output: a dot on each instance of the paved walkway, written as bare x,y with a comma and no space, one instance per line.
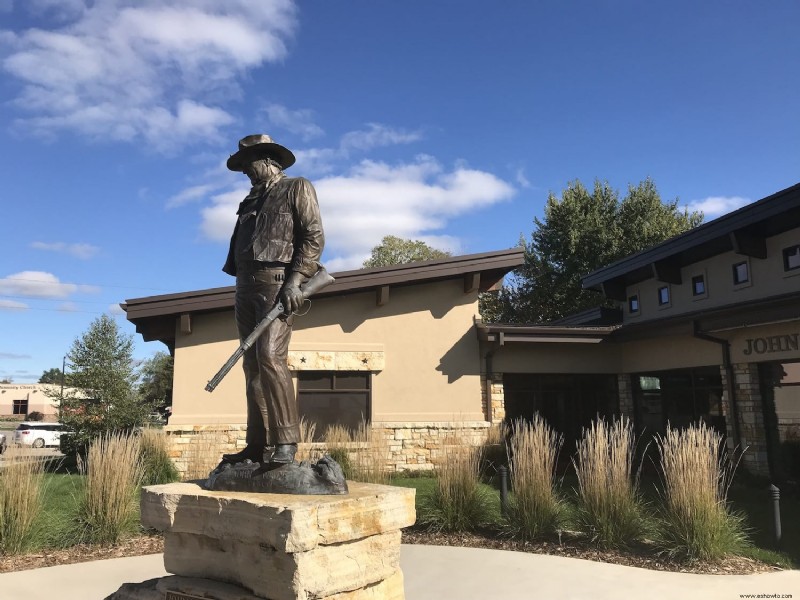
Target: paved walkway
435,573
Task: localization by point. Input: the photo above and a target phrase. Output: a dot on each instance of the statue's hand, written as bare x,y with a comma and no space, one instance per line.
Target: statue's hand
291,297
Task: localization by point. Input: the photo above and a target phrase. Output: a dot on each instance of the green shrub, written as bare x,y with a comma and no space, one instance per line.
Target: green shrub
535,509
696,472
21,491
458,501
157,466
610,509
113,471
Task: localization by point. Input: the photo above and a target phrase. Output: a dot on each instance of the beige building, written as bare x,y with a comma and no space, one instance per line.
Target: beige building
396,346
706,327
20,399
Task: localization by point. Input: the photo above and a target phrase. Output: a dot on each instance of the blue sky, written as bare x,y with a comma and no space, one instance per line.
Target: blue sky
446,121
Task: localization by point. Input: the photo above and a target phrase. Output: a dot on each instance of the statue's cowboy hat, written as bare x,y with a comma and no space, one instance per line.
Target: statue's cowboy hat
258,146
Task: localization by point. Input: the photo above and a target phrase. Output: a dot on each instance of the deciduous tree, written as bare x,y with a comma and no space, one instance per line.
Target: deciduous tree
582,231
398,251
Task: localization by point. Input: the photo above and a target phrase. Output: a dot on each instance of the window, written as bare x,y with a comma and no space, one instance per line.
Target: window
21,407
633,304
663,295
334,398
698,285
741,274
791,258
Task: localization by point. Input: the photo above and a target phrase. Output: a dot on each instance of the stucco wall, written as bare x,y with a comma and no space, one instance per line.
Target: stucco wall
767,278
423,343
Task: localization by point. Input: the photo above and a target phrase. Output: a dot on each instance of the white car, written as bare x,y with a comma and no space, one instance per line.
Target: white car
38,434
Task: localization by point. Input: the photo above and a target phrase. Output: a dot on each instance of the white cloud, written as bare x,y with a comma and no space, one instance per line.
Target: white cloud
39,284
115,309
12,305
374,199
191,194
80,250
148,70
299,122
522,181
377,135
714,206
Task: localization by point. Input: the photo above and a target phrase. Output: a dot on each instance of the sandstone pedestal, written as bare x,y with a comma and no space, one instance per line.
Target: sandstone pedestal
243,546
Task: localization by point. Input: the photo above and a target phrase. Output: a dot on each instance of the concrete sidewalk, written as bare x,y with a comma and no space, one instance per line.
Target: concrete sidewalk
434,573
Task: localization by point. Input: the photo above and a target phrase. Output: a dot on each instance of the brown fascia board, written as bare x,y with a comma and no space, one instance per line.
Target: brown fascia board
777,309
491,265
747,216
524,333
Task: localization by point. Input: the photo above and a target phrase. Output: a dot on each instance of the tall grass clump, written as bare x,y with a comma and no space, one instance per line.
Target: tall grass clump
308,449
113,471
457,502
696,471
203,453
21,490
494,453
371,452
157,466
535,509
338,439
610,508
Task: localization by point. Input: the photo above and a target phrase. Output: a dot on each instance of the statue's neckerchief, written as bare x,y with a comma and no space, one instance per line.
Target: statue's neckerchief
252,203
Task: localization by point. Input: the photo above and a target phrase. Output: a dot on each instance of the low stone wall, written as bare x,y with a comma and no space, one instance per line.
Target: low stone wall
416,446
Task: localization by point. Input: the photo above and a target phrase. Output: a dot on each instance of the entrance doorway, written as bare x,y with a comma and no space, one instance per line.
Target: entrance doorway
780,400
567,402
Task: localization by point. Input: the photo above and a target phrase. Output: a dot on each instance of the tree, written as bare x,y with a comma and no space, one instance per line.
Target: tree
155,384
398,251
581,232
51,376
104,397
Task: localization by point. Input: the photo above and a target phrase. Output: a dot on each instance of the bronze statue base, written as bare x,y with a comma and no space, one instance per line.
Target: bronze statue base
325,477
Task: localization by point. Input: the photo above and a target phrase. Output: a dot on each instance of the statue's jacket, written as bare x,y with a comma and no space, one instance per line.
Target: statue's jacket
288,227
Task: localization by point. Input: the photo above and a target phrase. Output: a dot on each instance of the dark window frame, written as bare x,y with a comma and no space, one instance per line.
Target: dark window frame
20,407
735,267
662,301
791,251
699,279
336,390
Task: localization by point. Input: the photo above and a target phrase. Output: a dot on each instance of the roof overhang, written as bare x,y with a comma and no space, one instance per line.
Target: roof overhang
501,335
743,231
155,316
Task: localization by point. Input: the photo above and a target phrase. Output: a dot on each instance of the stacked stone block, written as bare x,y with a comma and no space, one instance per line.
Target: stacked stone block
282,547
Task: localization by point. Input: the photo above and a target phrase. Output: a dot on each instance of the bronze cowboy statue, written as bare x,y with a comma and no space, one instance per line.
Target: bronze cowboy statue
275,247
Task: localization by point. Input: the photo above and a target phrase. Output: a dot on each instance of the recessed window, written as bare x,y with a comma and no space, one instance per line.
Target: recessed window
633,304
741,274
698,285
791,258
329,398
663,295
20,407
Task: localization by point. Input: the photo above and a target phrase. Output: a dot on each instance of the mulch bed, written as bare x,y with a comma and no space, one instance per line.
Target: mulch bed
154,544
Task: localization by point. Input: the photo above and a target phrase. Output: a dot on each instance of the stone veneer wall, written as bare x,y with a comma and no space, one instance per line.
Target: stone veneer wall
751,416
415,446
494,406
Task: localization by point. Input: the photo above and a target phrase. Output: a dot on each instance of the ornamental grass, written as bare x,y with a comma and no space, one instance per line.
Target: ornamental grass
609,507
113,471
535,509
157,466
21,491
697,523
458,501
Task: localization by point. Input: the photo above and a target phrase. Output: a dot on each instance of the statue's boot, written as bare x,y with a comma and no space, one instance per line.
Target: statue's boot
252,452
283,455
